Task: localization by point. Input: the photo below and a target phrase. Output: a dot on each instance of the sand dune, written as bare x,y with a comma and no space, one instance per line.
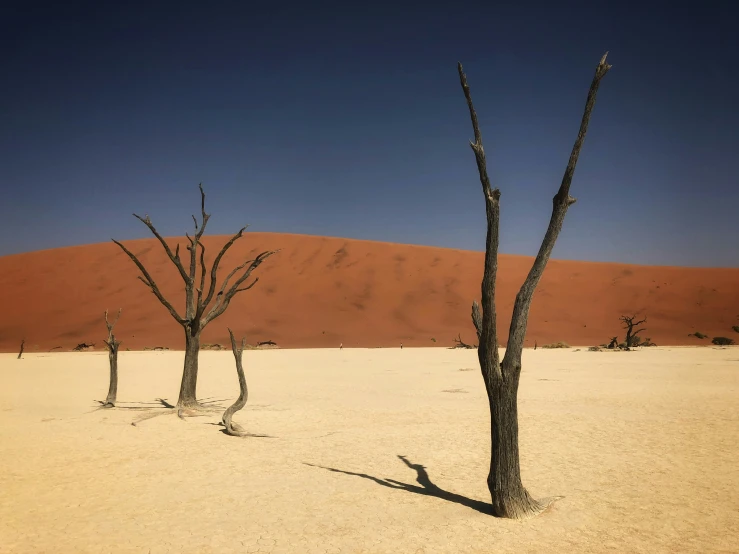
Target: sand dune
642,445
319,292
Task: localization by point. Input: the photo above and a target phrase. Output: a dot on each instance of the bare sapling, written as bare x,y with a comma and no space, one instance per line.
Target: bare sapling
112,343
234,429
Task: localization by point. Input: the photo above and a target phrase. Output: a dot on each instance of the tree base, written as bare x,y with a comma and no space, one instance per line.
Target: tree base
522,509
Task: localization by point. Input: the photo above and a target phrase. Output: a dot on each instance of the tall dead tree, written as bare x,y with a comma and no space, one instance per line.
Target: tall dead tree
23,344
197,298
631,334
235,429
509,497
112,343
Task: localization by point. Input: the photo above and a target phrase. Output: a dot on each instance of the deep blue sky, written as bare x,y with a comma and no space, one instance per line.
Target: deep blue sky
347,119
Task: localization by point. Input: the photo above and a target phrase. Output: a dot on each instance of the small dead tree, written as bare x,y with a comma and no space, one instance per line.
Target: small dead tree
509,497
459,343
234,429
23,344
112,343
197,297
631,334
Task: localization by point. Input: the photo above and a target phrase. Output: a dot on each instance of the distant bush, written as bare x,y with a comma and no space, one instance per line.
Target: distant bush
698,335
433,339
559,344
735,328
722,341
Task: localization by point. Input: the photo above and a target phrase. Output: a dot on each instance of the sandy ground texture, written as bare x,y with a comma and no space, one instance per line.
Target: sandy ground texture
322,292
370,451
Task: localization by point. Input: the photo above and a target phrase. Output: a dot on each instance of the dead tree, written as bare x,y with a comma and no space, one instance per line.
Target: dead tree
631,334
23,344
459,343
83,346
614,343
112,343
234,429
509,497
197,297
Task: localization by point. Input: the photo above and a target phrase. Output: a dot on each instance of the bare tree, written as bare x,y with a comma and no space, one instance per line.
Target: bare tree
459,343
631,334
112,343
197,297
23,344
235,429
509,497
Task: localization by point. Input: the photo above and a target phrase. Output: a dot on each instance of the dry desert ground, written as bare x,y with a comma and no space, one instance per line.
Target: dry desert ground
370,450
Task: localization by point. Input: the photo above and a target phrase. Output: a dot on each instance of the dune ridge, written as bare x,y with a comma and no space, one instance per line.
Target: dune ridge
323,291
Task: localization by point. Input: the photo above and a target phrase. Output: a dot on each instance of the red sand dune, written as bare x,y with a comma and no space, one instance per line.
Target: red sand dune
319,292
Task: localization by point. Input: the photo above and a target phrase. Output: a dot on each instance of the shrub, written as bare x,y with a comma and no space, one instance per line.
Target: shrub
559,344
699,335
722,341
735,328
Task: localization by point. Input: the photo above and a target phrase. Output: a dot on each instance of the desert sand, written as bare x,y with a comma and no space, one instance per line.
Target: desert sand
642,446
321,292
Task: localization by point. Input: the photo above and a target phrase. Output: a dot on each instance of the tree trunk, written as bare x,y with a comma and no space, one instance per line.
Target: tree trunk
509,497
113,358
188,397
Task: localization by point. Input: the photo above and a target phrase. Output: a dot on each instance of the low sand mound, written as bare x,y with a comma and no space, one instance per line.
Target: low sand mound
321,292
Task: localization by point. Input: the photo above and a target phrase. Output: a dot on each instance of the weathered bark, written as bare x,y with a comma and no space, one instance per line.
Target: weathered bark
197,299
509,497
23,344
235,429
189,385
112,343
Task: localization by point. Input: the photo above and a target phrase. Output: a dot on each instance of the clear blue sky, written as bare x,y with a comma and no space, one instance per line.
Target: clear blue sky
347,119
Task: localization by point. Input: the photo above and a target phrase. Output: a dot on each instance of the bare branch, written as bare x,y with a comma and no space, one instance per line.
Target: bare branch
214,270
149,282
486,324
477,318
225,298
254,282
560,203
175,259
202,275
204,215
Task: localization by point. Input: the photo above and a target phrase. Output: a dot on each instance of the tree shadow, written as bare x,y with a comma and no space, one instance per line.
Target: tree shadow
427,488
